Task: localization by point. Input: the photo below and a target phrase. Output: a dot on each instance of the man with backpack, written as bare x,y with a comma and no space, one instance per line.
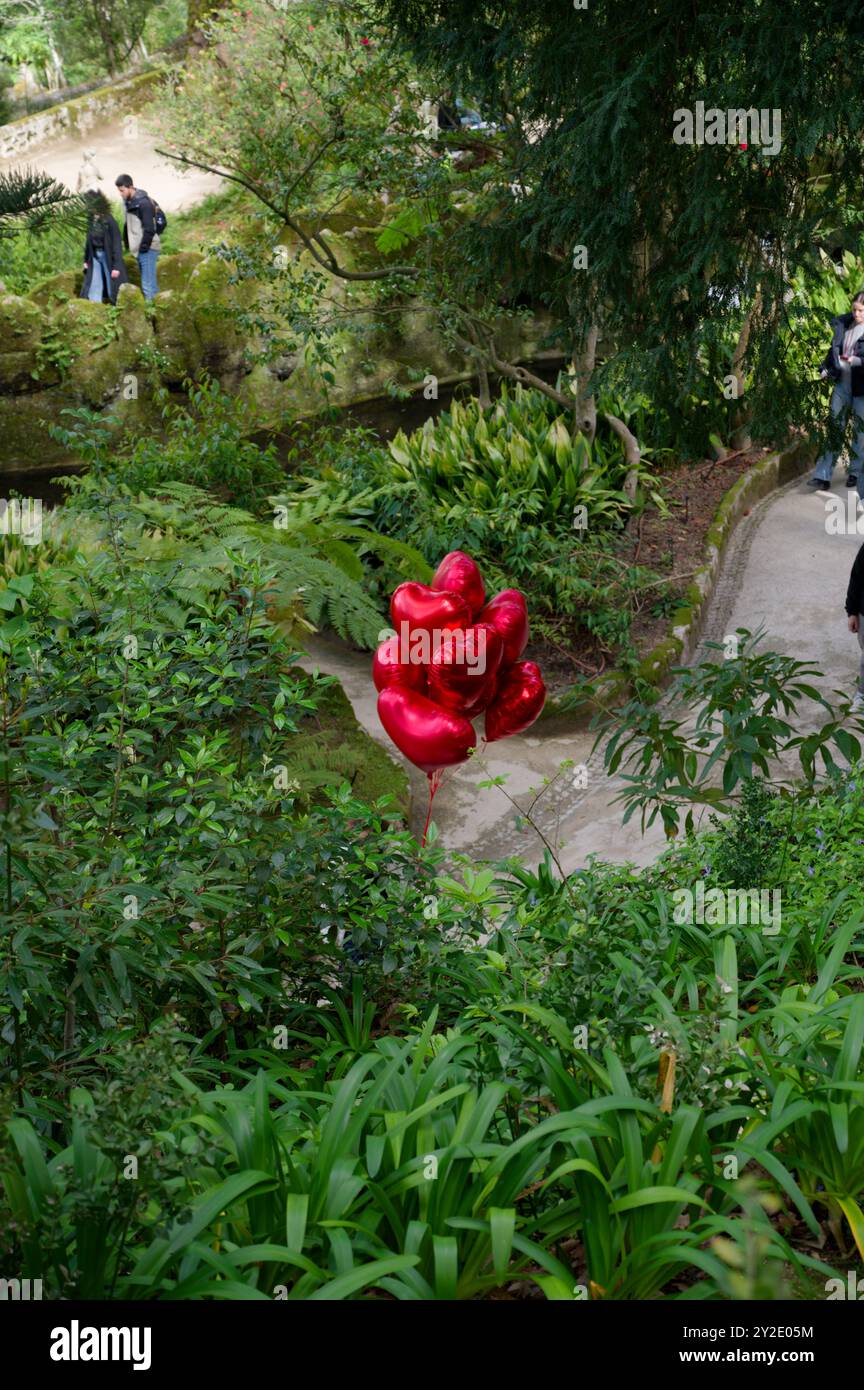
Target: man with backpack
144,221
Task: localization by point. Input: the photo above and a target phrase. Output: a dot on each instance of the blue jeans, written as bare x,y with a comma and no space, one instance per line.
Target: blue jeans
147,263
842,402
99,281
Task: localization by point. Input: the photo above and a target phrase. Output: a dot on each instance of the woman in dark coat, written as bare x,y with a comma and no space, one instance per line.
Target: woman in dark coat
104,268
844,365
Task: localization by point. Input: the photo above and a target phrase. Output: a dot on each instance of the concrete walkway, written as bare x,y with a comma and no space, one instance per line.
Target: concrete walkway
122,147
782,570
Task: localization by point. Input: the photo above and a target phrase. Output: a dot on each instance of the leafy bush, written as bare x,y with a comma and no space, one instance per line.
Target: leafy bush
519,454
205,444
412,1174
147,754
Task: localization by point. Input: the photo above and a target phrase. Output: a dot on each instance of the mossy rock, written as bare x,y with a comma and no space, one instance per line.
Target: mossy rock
136,330
24,424
655,667
100,357
268,398
20,323
57,288
332,748
16,372
177,337
173,272
210,299
418,344
98,377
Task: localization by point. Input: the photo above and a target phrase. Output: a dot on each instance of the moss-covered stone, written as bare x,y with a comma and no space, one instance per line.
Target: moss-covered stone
210,299
174,272
176,337
24,430
135,329
21,325
56,289
332,748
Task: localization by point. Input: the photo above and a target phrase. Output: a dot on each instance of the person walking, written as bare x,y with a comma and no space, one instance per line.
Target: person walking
139,232
844,364
855,616
104,267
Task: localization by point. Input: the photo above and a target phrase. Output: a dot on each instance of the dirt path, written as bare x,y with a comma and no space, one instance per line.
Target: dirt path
121,148
782,571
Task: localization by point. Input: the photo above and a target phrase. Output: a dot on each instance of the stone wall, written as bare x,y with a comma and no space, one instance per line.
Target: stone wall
59,352
76,117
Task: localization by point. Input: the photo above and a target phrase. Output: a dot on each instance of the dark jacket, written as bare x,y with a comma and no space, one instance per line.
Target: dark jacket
831,361
855,592
140,215
113,248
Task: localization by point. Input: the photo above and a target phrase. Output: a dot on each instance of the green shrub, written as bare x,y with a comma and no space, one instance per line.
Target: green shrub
520,454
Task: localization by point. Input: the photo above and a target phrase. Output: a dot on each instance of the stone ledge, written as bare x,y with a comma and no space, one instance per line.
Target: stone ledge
78,115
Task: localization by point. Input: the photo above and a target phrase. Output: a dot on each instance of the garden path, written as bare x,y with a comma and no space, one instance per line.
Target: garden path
121,147
781,571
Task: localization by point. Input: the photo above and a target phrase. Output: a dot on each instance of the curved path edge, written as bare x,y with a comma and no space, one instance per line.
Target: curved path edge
686,623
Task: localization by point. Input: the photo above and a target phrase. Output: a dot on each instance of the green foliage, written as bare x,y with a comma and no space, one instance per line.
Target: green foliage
747,850
574,579
676,261
205,444
34,203
149,713
519,456
739,729
304,1127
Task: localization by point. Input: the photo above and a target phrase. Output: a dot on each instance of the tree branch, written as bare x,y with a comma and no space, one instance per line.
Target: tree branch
326,260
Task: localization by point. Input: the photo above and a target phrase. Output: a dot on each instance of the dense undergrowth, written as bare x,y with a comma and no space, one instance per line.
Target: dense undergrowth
223,1075
255,1042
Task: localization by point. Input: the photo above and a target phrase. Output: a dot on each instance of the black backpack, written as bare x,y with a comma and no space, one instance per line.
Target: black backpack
160,221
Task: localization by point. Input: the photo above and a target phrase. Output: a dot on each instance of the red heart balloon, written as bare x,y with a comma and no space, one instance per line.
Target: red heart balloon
519,699
429,736
389,669
507,612
427,610
463,672
458,574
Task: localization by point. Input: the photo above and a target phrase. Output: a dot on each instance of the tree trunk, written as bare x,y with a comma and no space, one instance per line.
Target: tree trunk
585,409
198,12
741,434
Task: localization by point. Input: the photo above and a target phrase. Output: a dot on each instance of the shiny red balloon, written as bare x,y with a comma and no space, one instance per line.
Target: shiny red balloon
520,697
429,610
507,612
458,574
388,669
429,736
463,673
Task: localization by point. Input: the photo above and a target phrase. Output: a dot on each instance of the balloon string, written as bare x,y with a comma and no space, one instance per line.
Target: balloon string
434,784
436,780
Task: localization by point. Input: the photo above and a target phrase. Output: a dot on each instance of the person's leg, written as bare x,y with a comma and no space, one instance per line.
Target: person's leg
147,263
840,402
858,701
97,278
856,465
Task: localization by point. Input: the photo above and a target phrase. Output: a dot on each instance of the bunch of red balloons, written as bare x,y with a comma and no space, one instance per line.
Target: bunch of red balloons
454,657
